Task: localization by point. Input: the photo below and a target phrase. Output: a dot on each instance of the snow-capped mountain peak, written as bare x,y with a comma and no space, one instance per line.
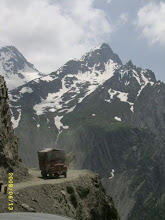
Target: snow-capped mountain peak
94,61
97,85
77,80
61,91
102,54
15,68
70,84
129,64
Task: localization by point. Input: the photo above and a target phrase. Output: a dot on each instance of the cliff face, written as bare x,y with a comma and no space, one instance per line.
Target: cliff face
135,155
81,198
9,158
150,109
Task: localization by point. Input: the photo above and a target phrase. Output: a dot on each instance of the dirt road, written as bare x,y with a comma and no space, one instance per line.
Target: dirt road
36,179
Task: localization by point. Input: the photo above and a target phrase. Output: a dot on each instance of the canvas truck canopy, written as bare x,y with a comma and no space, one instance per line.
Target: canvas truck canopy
51,154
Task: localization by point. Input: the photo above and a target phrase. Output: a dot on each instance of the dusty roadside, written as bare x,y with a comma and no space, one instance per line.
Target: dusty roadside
36,179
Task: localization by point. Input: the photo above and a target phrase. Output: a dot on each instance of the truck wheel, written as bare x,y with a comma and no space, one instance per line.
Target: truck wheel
65,174
50,175
44,174
56,175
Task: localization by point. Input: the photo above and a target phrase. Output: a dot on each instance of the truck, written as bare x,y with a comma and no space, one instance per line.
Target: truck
52,162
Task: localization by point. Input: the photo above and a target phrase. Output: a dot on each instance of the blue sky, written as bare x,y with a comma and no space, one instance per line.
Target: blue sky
51,32
129,42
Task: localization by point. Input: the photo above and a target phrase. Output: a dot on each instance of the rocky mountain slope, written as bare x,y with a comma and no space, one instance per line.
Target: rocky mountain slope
136,158
39,107
111,116
150,109
9,158
15,68
82,197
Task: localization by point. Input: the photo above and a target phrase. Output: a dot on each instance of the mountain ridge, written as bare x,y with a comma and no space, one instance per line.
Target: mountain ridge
15,68
59,92
9,158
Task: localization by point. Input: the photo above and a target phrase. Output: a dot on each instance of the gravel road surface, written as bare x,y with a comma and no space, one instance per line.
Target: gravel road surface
36,179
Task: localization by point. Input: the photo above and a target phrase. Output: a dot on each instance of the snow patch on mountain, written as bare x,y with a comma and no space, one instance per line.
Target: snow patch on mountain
121,95
145,81
71,109
132,108
53,101
136,76
91,79
118,94
112,174
13,81
59,124
26,90
89,54
96,78
48,78
14,121
123,72
127,83
117,118
13,98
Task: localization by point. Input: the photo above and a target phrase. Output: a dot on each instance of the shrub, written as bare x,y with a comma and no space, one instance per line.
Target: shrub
82,192
73,200
70,189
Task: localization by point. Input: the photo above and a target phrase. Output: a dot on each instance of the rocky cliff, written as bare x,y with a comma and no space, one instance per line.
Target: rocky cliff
150,109
81,198
9,158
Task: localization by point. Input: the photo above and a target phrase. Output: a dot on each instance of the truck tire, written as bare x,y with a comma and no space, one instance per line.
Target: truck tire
44,174
50,175
65,174
56,175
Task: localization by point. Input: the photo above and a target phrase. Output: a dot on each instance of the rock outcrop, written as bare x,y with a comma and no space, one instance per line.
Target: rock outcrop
9,158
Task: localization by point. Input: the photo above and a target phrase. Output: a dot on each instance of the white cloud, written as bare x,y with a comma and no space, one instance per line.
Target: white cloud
109,1
123,19
50,32
151,22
